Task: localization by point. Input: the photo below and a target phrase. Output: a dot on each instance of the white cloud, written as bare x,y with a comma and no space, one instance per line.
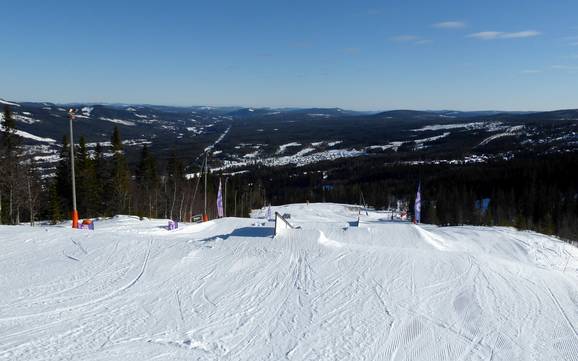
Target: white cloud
414,39
492,35
450,25
521,34
486,35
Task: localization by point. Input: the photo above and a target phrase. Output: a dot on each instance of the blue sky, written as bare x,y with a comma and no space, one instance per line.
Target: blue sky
418,54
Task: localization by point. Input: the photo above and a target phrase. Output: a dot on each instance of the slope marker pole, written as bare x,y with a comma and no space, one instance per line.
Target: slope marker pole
71,116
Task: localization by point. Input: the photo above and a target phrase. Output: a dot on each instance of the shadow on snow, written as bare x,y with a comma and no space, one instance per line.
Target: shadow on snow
244,232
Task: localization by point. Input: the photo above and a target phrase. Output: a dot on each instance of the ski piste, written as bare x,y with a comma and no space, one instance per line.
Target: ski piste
329,288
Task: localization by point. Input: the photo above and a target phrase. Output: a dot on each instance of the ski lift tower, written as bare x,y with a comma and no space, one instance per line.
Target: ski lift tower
71,116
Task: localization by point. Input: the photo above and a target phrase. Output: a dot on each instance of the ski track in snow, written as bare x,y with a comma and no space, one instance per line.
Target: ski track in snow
221,137
228,290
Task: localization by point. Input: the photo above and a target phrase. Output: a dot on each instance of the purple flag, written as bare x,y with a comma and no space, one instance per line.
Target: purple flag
417,207
220,201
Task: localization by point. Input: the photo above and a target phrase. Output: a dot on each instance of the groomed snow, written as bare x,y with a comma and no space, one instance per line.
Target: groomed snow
304,151
27,135
489,126
25,118
431,139
118,121
298,160
435,127
283,148
228,290
510,132
221,137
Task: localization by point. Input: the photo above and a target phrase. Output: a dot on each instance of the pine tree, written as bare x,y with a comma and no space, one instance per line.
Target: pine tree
63,179
175,174
116,141
33,188
81,158
9,138
101,182
81,153
431,215
148,181
120,176
88,196
10,173
54,201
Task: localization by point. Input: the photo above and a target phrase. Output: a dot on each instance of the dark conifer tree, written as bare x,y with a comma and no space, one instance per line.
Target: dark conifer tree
120,177
9,138
10,171
101,181
54,204
88,196
148,181
63,182
175,179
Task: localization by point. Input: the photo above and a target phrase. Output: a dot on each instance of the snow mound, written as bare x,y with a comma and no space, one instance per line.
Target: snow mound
229,289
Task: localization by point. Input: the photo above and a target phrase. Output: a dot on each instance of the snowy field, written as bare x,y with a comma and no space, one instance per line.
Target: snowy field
228,290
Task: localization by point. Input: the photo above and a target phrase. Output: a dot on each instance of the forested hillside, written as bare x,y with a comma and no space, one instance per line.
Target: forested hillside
529,190
538,193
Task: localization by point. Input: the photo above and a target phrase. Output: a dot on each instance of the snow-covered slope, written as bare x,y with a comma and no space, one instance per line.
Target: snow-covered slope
228,290
6,102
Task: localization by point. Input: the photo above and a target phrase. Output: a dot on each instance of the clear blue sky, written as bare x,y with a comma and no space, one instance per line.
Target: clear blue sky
419,54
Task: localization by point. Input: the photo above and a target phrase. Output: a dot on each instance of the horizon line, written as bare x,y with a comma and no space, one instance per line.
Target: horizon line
356,109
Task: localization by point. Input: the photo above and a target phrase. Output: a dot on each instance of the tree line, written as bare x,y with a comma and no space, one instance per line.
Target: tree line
107,185
528,192
20,188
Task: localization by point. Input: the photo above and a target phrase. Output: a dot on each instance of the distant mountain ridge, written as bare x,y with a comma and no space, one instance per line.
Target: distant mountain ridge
240,137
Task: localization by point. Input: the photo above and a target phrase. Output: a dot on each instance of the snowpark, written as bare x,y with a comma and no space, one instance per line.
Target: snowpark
228,289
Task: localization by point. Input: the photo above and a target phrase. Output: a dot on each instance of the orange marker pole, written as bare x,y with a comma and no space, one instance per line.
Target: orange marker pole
75,219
